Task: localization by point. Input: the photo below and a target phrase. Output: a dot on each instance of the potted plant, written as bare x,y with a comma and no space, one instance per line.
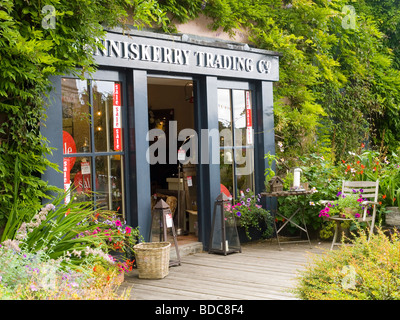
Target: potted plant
250,215
346,206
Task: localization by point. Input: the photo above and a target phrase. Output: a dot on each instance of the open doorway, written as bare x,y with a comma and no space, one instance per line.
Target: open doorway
171,111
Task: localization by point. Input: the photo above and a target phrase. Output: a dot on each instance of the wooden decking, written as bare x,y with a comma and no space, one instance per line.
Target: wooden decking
261,271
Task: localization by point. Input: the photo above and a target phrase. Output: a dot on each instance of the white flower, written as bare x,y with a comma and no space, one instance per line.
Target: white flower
312,203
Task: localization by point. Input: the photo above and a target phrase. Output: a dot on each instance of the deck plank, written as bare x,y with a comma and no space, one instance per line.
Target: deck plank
261,271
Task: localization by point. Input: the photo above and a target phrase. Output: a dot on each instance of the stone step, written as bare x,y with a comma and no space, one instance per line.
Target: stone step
186,249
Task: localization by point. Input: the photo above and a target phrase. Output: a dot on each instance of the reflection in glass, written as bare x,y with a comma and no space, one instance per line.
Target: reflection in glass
78,177
76,112
110,182
239,116
103,115
244,168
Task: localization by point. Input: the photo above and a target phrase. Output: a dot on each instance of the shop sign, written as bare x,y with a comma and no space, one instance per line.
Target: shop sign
180,56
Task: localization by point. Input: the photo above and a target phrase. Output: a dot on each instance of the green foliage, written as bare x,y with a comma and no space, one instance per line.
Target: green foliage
59,228
32,276
339,85
368,270
31,50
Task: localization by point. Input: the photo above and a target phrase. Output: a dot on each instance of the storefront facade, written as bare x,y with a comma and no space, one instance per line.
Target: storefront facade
118,134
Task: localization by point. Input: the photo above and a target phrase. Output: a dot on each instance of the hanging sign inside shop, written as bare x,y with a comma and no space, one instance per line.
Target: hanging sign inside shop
117,117
249,124
189,181
82,182
82,178
69,147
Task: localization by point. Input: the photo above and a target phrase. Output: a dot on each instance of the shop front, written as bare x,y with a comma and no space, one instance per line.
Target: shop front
160,107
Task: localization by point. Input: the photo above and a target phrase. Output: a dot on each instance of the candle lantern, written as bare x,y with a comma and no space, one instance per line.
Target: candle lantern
161,220
296,178
224,237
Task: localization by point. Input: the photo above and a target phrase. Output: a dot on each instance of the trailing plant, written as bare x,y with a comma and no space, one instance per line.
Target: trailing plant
249,212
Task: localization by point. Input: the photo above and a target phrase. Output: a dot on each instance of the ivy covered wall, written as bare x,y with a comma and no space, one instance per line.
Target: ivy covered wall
339,78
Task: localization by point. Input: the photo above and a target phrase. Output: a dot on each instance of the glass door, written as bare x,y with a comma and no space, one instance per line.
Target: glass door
93,145
236,140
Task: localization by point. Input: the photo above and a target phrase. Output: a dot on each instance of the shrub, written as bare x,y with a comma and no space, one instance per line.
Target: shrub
368,270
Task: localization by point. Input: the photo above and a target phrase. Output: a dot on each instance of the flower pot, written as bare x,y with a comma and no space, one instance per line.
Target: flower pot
393,216
348,213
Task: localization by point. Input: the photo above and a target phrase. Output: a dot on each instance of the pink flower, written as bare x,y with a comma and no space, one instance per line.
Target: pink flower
118,223
128,230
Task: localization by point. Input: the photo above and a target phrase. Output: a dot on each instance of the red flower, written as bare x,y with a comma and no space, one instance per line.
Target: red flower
384,196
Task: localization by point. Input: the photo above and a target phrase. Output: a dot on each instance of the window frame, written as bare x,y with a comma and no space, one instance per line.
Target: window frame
111,76
245,86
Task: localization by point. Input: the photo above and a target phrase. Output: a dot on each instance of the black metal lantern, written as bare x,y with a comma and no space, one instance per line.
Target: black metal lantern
224,237
161,220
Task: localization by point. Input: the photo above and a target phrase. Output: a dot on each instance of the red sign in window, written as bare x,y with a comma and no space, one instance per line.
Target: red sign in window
117,117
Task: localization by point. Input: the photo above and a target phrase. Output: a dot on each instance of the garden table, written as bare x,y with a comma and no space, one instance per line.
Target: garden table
300,210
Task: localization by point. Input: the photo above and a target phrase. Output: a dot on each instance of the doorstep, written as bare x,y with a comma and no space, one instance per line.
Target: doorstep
186,249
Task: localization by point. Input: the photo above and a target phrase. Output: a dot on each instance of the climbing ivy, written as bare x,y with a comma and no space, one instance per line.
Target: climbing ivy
40,38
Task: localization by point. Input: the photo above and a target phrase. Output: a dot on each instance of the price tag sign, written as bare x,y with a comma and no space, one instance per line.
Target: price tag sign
181,155
168,219
189,181
85,167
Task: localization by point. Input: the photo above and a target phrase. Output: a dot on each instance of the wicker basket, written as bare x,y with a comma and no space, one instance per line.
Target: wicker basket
152,259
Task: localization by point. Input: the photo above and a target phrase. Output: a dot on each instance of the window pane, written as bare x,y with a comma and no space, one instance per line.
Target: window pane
107,116
76,115
244,159
224,117
226,143
109,183
239,116
226,169
77,175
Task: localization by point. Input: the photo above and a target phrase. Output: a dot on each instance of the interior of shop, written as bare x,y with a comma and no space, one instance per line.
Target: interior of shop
172,100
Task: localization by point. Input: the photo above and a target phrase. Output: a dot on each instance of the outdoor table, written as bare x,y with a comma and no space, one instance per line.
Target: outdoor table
300,210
